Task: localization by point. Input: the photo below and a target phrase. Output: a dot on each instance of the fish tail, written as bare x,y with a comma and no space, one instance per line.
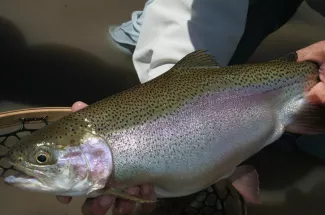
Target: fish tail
310,120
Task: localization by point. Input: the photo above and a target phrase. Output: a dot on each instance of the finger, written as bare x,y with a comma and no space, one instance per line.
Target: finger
126,207
314,52
123,207
64,199
147,192
317,93
134,191
77,106
97,206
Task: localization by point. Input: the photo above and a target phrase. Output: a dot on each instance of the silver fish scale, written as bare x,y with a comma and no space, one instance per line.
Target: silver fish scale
198,152
204,138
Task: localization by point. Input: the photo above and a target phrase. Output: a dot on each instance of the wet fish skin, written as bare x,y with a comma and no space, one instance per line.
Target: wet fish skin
181,132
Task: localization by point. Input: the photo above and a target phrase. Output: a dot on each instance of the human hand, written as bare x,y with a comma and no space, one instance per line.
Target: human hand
100,205
315,53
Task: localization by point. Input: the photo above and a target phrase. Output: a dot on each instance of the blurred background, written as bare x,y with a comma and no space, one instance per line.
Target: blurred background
67,41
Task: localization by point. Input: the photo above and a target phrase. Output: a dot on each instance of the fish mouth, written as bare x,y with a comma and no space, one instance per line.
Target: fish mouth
19,178
27,182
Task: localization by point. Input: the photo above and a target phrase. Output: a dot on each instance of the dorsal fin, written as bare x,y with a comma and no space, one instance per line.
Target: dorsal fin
197,58
289,57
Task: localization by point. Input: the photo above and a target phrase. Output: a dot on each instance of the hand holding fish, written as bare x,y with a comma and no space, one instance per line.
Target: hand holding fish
316,53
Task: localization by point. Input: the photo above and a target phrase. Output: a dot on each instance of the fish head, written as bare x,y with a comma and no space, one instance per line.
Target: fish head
62,160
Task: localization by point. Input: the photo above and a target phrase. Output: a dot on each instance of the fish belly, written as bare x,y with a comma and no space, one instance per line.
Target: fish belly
194,147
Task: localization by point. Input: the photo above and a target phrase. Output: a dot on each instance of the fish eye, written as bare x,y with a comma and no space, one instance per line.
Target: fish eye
42,157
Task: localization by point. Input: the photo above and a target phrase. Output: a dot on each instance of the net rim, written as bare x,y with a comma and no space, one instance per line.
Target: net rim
15,117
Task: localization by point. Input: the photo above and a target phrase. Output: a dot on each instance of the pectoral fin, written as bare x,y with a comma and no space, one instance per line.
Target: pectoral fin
123,195
245,180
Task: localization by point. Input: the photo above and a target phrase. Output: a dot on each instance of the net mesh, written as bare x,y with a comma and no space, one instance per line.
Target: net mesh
221,199
11,135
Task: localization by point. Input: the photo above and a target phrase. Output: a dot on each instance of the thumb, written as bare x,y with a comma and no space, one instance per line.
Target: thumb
78,106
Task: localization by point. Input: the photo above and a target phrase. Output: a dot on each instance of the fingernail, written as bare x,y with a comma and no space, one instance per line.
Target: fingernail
105,201
78,105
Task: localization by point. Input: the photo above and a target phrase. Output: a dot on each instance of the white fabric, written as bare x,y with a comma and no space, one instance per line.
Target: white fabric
173,28
128,32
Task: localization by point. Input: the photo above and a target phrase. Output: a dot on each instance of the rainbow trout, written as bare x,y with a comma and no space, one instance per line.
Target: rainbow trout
181,132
